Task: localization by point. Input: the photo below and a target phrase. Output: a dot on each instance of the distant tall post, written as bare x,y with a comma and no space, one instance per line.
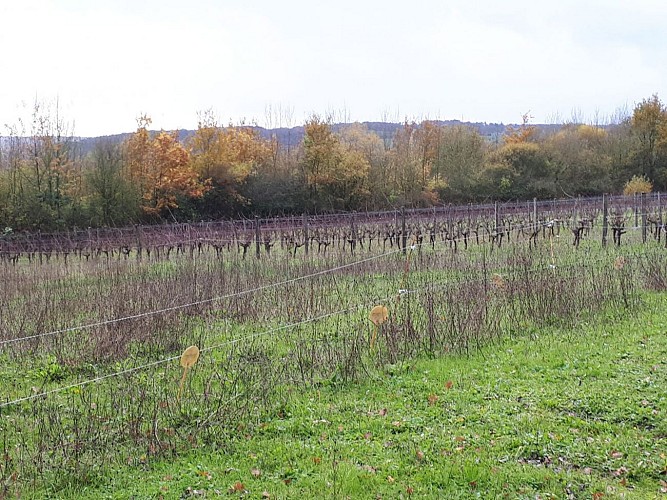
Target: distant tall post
306,236
257,237
137,232
353,234
404,236
659,209
605,219
643,209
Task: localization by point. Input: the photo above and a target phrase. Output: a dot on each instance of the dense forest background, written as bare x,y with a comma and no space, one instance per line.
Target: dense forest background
51,179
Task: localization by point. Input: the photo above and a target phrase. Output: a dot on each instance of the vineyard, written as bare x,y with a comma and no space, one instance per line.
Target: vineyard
96,325
454,224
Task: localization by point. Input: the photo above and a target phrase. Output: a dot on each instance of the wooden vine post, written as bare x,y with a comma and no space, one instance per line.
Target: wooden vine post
605,219
404,236
306,236
659,209
139,243
257,237
644,222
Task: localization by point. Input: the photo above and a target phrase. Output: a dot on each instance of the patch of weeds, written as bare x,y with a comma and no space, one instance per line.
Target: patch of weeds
50,370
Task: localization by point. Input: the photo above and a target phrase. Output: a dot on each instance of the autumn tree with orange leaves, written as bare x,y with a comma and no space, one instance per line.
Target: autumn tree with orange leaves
522,133
161,167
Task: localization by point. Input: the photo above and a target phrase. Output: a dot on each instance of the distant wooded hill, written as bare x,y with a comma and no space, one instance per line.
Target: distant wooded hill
294,135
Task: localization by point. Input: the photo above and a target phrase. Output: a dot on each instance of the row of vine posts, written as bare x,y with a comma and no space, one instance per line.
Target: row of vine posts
497,221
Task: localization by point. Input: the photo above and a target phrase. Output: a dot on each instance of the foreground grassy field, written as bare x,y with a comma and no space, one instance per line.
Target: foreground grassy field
554,414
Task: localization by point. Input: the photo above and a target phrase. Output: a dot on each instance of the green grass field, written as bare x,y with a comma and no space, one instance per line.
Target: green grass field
513,372
563,413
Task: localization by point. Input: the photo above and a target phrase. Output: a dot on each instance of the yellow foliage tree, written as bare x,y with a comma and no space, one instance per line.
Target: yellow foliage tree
649,124
322,153
357,139
427,138
411,159
638,184
161,168
579,156
226,156
594,137
336,167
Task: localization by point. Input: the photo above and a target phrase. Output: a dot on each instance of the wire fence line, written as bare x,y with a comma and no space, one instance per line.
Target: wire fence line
272,331
198,302
6,342
173,358
532,226
523,227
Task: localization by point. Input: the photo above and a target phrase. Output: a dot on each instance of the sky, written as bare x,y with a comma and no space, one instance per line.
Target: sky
104,63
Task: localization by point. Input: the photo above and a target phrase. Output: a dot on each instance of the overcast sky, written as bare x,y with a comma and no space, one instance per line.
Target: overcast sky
109,61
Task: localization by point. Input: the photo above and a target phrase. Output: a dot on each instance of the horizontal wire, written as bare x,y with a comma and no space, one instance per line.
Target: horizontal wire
538,225
261,334
198,302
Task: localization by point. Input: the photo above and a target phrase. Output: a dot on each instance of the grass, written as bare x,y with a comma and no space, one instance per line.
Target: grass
556,414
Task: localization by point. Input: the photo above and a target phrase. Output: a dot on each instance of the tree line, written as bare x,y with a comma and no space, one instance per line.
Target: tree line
48,183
